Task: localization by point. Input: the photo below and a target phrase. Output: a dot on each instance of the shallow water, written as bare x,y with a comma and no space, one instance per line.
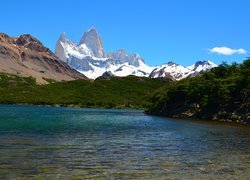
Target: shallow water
63,143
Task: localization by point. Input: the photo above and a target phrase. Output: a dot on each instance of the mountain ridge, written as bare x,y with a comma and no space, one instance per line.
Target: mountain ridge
90,58
26,56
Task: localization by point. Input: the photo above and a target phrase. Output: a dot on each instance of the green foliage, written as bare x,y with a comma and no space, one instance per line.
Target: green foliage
221,92
115,92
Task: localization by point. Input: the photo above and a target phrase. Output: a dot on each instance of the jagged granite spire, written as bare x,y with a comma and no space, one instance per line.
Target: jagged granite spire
121,56
94,42
63,37
60,49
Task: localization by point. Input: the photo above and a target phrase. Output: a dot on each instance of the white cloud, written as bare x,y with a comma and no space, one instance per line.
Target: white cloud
227,51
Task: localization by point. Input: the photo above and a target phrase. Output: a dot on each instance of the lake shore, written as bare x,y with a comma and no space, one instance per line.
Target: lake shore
180,116
212,117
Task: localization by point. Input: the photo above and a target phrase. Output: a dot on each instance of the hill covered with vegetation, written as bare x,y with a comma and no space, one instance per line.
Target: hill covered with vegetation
222,93
115,92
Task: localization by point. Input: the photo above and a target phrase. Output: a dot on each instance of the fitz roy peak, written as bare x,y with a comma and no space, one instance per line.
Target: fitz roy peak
89,58
94,43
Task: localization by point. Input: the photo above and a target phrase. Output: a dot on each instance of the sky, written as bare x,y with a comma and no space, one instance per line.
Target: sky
183,31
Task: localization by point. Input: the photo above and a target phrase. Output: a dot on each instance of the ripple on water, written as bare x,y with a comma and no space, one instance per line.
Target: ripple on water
57,143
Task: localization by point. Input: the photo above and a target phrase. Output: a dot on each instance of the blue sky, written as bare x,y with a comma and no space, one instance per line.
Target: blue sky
183,31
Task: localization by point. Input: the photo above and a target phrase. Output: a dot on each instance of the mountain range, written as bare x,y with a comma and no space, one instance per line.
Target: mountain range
26,56
90,58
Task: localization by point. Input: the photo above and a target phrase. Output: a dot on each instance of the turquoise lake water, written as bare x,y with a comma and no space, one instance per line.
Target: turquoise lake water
68,143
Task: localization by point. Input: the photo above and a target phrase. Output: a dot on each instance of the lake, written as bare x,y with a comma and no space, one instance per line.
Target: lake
63,143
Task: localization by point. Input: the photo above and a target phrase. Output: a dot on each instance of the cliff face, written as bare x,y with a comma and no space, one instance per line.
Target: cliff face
26,56
94,42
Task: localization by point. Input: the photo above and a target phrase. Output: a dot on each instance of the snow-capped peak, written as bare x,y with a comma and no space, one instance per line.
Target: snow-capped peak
171,63
170,70
92,29
94,42
62,38
88,57
200,66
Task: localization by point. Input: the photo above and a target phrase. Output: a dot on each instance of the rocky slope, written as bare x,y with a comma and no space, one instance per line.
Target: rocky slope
89,58
26,56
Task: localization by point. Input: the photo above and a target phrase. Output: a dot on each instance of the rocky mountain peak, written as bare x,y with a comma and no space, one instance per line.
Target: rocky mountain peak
4,38
3,35
171,63
121,56
62,37
201,63
88,57
92,29
121,51
30,42
25,39
94,42
200,66
26,56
